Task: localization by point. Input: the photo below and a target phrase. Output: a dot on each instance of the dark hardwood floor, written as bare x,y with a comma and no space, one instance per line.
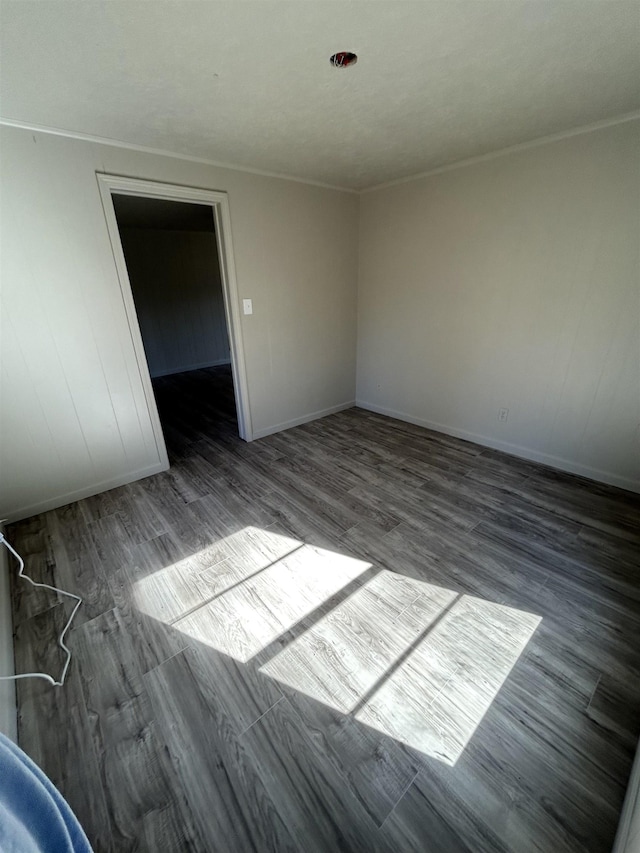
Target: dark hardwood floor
357,635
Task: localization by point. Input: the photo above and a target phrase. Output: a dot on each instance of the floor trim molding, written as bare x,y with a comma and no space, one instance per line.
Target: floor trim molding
304,419
507,447
86,492
630,812
8,703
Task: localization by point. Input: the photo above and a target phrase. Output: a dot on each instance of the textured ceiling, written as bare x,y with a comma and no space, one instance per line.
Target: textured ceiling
249,83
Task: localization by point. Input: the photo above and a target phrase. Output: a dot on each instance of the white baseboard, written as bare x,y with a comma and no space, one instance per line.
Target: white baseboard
513,449
8,706
628,835
86,492
189,367
304,419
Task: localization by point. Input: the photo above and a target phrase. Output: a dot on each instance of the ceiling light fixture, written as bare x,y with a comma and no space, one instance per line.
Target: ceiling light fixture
343,59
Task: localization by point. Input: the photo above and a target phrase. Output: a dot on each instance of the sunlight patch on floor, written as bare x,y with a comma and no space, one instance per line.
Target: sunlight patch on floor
348,652
170,593
425,676
437,698
417,662
250,597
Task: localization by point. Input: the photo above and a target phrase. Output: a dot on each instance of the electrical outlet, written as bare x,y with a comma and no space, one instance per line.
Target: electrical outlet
503,414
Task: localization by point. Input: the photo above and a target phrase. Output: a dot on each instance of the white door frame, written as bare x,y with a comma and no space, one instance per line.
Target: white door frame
219,201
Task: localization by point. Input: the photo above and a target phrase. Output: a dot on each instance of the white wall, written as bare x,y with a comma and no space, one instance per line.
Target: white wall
175,278
74,419
628,835
512,283
8,717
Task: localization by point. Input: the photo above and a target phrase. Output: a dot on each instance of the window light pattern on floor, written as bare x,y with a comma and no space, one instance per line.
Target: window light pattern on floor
415,661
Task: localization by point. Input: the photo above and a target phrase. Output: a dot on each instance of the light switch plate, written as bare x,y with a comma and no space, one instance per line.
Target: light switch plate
247,306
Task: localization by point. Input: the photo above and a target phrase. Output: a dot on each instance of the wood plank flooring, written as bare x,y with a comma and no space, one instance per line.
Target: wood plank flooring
357,635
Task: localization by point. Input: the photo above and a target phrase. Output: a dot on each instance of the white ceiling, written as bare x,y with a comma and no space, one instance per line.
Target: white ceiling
249,83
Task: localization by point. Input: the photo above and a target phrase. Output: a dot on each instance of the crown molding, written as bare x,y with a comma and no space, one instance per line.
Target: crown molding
161,152
512,149
449,167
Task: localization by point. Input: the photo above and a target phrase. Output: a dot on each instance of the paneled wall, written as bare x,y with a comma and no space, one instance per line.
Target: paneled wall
73,419
512,283
8,719
175,278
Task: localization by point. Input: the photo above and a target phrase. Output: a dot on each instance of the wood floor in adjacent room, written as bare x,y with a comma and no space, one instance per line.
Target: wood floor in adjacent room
356,635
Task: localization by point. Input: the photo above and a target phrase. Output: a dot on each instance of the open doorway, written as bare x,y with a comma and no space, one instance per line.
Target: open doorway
172,260
172,247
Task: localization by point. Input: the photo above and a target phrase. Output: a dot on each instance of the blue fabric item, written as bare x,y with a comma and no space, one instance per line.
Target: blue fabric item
34,816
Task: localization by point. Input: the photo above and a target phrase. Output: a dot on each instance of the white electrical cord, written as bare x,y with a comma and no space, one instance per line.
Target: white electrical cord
61,641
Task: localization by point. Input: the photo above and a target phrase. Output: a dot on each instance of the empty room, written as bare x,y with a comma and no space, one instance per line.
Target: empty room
320,426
